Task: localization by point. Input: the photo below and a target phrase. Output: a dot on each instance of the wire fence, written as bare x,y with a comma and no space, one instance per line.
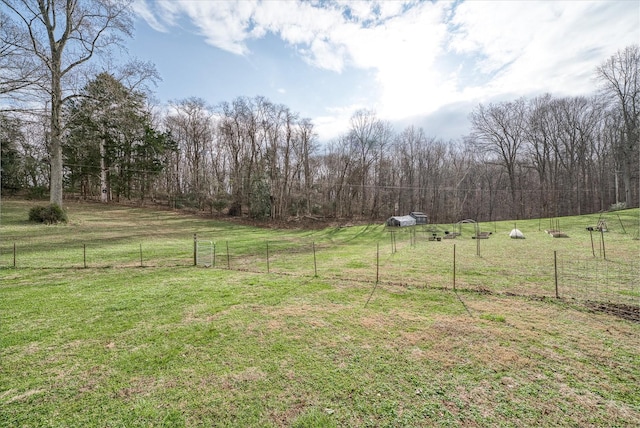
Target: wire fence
606,284
418,258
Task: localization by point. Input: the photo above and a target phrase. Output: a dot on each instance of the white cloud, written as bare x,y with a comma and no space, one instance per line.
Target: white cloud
530,46
424,55
336,121
142,9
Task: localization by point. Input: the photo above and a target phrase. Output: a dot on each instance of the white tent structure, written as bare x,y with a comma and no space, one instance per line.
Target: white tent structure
516,234
401,221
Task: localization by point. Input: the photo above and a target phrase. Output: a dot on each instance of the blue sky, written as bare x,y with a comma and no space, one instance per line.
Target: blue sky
425,63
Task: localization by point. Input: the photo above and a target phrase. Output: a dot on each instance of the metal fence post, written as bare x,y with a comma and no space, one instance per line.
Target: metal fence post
454,267
555,270
315,263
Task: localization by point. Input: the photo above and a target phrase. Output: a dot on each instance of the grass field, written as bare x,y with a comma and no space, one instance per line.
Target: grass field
141,337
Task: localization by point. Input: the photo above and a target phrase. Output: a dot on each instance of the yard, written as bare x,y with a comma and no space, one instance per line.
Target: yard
105,321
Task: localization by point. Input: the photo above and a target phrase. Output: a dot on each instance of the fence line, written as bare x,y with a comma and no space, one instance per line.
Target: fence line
601,280
416,263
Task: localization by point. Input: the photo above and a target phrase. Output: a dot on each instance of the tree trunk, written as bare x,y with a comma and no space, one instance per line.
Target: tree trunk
103,174
55,150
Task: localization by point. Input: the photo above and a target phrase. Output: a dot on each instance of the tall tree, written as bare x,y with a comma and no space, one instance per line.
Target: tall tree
191,125
620,78
304,150
110,136
500,129
368,136
11,171
63,35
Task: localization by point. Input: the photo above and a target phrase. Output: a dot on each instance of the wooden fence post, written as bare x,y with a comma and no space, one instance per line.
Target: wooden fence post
195,249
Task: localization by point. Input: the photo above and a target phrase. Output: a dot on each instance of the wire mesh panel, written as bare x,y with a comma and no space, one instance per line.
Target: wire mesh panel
204,253
600,280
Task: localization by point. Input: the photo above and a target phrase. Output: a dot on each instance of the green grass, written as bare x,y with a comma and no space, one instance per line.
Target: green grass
169,344
111,236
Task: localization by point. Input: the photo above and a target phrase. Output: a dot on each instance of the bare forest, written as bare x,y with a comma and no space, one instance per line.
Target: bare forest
530,157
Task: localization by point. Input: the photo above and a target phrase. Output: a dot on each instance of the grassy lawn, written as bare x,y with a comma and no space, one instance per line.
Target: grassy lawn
162,343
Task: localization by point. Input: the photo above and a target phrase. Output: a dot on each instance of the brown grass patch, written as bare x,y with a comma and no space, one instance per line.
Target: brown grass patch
19,397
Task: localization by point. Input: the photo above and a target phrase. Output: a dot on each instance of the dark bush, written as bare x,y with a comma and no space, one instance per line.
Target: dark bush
50,214
37,192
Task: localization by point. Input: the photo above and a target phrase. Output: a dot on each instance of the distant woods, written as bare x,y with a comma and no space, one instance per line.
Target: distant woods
530,157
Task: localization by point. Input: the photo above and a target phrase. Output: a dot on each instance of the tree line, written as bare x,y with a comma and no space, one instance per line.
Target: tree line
105,140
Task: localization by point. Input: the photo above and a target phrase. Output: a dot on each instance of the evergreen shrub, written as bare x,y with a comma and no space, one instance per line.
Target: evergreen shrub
50,214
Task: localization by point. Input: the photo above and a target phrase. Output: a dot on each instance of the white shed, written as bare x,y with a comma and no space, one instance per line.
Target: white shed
401,221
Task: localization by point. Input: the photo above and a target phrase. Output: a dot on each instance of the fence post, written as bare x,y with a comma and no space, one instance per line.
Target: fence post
376,284
195,249
555,271
604,252
622,225
14,255
228,257
315,264
392,246
454,267
84,254
267,256
141,264
377,261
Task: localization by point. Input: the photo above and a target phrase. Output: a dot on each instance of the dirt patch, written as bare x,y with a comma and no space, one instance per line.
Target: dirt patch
620,310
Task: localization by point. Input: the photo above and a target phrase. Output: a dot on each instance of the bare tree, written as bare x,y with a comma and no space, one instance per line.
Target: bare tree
621,83
368,136
305,147
500,129
191,126
62,37
17,72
